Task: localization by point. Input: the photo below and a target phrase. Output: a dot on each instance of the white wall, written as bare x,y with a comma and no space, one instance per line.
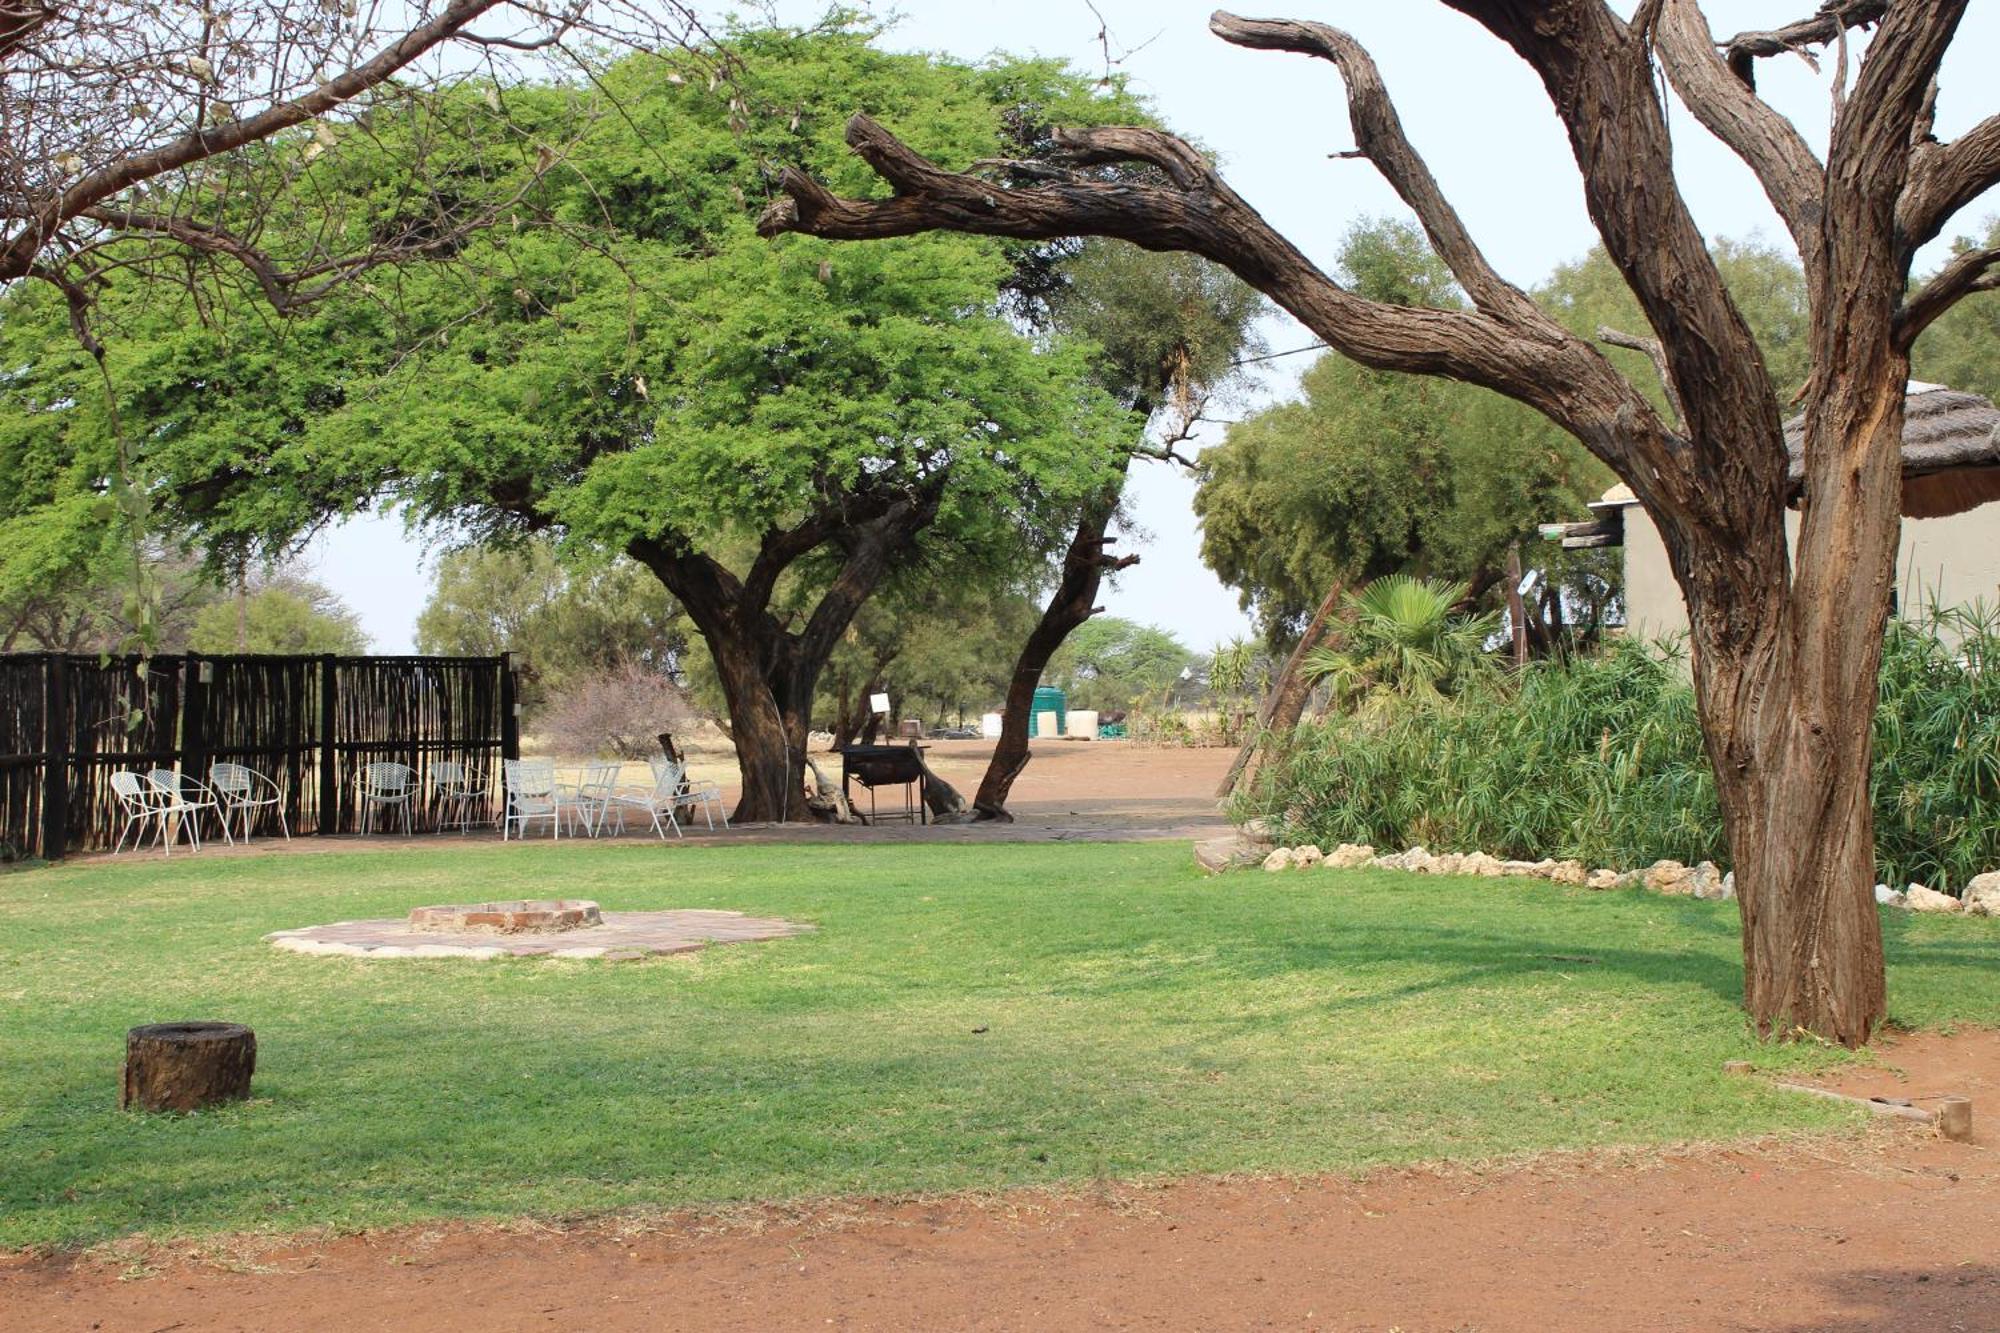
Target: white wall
1957,559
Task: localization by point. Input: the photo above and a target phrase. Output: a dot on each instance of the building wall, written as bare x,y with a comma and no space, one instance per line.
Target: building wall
1957,559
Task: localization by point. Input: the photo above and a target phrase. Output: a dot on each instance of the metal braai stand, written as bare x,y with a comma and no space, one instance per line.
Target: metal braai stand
885,766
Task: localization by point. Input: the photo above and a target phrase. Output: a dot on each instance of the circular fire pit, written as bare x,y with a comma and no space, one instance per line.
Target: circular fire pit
526,916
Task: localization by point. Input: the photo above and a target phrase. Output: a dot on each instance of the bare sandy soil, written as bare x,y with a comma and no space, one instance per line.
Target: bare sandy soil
1890,1231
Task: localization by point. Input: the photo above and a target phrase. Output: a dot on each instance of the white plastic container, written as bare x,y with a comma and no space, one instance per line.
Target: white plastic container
1083,724
1048,725
989,726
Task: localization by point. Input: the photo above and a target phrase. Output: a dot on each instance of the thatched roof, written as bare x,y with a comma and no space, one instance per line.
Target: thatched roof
1951,451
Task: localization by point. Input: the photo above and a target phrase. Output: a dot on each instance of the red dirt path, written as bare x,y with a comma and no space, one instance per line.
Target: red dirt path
1895,1231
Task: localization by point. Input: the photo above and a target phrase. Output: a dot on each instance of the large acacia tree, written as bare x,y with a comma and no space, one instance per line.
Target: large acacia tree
1786,644
775,433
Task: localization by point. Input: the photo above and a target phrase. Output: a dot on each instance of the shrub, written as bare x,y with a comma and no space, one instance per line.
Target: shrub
615,714
1600,758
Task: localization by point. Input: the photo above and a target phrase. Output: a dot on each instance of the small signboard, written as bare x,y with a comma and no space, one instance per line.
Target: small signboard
878,703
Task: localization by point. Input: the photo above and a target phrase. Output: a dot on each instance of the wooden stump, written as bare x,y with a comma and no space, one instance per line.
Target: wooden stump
186,1066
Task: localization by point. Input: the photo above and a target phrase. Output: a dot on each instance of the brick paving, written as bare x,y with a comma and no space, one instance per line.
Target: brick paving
622,936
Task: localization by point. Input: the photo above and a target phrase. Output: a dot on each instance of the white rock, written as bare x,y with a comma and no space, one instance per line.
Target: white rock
1982,894
1922,899
1889,897
1279,859
1729,886
1569,872
1417,858
1307,856
1522,868
1445,863
1604,879
1350,854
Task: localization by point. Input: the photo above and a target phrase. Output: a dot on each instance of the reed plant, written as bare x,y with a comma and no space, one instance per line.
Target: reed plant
1599,758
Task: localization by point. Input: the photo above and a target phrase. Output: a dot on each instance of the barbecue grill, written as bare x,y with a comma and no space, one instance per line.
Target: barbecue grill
885,766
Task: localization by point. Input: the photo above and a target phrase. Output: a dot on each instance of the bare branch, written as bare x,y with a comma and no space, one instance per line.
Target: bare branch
18,21
1378,132
1557,374
1944,178
1652,348
1968,272
1830,24
1728,108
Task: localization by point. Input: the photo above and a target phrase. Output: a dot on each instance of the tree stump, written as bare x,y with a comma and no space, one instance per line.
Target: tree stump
186,1066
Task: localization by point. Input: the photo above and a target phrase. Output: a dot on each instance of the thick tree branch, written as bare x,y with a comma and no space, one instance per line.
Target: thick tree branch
1830,24
1768,143
1944,178
1378,132
1968,272
1558,375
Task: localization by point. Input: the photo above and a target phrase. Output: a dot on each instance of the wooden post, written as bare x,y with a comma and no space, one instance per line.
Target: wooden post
55,748
1517,612
186,1066
193,745
329,765
1954,1118
510,723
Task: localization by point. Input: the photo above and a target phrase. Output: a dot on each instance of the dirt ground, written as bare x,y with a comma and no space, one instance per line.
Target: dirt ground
1894,1229
1890,1231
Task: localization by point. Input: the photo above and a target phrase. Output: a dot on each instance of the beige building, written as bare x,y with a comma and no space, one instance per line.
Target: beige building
1951,535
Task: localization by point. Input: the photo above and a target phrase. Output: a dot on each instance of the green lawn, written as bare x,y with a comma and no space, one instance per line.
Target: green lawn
965,1016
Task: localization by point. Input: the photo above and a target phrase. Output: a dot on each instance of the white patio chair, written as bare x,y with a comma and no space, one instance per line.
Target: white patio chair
705,794
590,802
139,802
177,806
531,795
658,803
458,795
386,786
243,791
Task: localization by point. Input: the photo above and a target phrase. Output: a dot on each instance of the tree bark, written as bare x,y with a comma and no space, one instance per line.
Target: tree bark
186,1066
1286,703
1073,601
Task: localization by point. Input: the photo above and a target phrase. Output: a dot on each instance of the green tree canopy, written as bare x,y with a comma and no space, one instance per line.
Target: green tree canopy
775,431
1109,662
279,612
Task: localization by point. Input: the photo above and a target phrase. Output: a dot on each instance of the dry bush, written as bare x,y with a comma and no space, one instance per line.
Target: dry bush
616,714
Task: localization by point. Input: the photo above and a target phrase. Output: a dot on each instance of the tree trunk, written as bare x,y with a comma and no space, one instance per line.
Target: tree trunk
1073,602
186,1066
1286,702
769,727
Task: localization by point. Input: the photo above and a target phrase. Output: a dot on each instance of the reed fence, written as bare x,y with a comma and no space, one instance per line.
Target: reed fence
310,723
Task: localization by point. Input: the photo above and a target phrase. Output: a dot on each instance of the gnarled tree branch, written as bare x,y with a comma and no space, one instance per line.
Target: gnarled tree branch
1835,17
1945,177
1968,272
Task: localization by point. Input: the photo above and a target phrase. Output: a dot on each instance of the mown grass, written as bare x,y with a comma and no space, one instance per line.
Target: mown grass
965,1016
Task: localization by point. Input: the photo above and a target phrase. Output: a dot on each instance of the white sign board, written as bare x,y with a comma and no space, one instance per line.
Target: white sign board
1528,583
878,703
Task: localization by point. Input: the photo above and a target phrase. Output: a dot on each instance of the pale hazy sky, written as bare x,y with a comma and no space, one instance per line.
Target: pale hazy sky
1469,106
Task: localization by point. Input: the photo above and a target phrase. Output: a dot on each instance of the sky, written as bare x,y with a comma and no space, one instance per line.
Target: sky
1469,106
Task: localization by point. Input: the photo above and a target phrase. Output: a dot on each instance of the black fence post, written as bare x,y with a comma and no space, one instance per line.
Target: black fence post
329,766
55,745
510,722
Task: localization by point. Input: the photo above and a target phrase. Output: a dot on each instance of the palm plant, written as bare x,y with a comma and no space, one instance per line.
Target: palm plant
1404,640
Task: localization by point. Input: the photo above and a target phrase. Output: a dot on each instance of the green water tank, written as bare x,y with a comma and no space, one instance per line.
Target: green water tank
1048,699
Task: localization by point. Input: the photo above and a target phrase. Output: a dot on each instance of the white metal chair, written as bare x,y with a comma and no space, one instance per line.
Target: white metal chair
705,794
531,795
170,791
661,802
242,792
590,802
139,802
458,796
386,786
